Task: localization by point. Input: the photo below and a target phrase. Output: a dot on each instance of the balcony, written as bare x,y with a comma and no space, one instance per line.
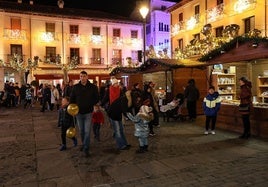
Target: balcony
14,34
48,37
118,41
117,61
215,13
175,29
96,61
96,39
52,59
74,60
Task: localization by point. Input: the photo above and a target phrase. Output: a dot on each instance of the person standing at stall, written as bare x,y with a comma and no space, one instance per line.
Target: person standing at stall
191,94
245,104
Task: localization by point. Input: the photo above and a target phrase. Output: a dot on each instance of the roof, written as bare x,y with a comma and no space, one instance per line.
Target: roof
55,11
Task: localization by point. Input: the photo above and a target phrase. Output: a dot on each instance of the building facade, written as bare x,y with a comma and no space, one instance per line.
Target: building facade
66,41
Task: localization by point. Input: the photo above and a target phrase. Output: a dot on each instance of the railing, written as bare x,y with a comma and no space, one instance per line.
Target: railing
215,13
75,60
14,34
117,61
20,58
96,61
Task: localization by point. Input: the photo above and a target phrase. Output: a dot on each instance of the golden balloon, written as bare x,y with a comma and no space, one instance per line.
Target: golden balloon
71,132
73,109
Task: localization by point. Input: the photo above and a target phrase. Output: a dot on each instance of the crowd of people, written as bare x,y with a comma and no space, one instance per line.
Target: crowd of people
114,102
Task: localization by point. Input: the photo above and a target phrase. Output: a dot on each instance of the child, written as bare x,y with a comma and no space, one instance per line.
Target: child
141,120
97,121
65,121
28,96
211,106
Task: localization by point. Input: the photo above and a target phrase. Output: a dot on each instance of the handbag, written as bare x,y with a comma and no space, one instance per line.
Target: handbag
243,108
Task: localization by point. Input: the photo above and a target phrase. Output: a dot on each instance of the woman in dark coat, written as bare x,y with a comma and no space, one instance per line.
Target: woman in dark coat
245,100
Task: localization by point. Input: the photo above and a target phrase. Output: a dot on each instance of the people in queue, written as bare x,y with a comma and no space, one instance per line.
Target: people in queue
245,102
191,94
211,106
85,95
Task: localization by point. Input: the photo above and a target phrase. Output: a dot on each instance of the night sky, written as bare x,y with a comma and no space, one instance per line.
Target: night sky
119,7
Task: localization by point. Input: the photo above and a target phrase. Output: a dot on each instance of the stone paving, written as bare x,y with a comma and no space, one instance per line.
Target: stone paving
179,155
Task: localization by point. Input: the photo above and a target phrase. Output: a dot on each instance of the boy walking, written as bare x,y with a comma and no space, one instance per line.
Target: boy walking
211,106
65,121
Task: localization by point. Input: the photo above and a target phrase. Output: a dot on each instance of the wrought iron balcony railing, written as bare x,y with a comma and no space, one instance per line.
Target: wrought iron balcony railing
96,61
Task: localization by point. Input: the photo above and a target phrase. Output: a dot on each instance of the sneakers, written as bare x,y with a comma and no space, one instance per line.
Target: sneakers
212,132
63,148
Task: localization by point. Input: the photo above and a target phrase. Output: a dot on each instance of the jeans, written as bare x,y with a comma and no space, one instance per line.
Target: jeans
84,125
143,141
119,135
213,121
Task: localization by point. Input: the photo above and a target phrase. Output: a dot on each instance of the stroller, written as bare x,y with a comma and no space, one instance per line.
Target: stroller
173,109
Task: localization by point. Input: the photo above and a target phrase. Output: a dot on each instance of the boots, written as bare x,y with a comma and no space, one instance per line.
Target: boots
141,150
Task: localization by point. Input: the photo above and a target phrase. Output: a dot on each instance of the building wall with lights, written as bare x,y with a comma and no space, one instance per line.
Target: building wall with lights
100,43
189,17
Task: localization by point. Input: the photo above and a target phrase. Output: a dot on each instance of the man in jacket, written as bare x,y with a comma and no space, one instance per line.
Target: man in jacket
85,95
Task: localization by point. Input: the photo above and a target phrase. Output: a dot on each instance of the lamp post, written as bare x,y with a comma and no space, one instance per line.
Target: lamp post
144,11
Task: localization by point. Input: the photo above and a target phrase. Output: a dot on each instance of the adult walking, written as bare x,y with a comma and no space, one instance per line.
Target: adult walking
245,104
191,94
85,95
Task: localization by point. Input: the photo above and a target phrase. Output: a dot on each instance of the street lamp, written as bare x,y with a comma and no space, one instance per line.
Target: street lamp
144,11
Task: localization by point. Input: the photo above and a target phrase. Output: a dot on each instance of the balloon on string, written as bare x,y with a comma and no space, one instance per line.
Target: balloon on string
73,109
71,132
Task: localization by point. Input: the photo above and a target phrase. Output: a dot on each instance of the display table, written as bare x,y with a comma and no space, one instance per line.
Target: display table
230,118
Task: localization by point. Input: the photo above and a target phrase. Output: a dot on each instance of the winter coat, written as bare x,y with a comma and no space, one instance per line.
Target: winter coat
85,96
64,118
245,96
211,104
141,125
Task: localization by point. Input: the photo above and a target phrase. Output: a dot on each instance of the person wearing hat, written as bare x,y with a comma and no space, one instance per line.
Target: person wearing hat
141,121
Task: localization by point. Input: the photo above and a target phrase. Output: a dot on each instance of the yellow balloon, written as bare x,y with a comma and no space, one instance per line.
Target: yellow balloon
71,132
73,109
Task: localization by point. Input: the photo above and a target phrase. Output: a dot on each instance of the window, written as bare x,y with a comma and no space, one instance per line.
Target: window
218,31
96,56
117,57
166,28
181,17
196,10
96,30
161,26
116,33
15,24
249,24
74,29
180,43
134,56
163,8
74,52
51,54
219,2
134,34
197,36
50,27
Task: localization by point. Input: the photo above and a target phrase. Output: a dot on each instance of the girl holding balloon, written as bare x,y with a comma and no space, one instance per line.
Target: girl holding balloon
66,121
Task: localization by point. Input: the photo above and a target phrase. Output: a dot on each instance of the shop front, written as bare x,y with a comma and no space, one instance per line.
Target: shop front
225,71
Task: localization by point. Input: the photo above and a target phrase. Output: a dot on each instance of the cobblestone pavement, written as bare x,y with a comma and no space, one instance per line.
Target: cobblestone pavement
179,155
